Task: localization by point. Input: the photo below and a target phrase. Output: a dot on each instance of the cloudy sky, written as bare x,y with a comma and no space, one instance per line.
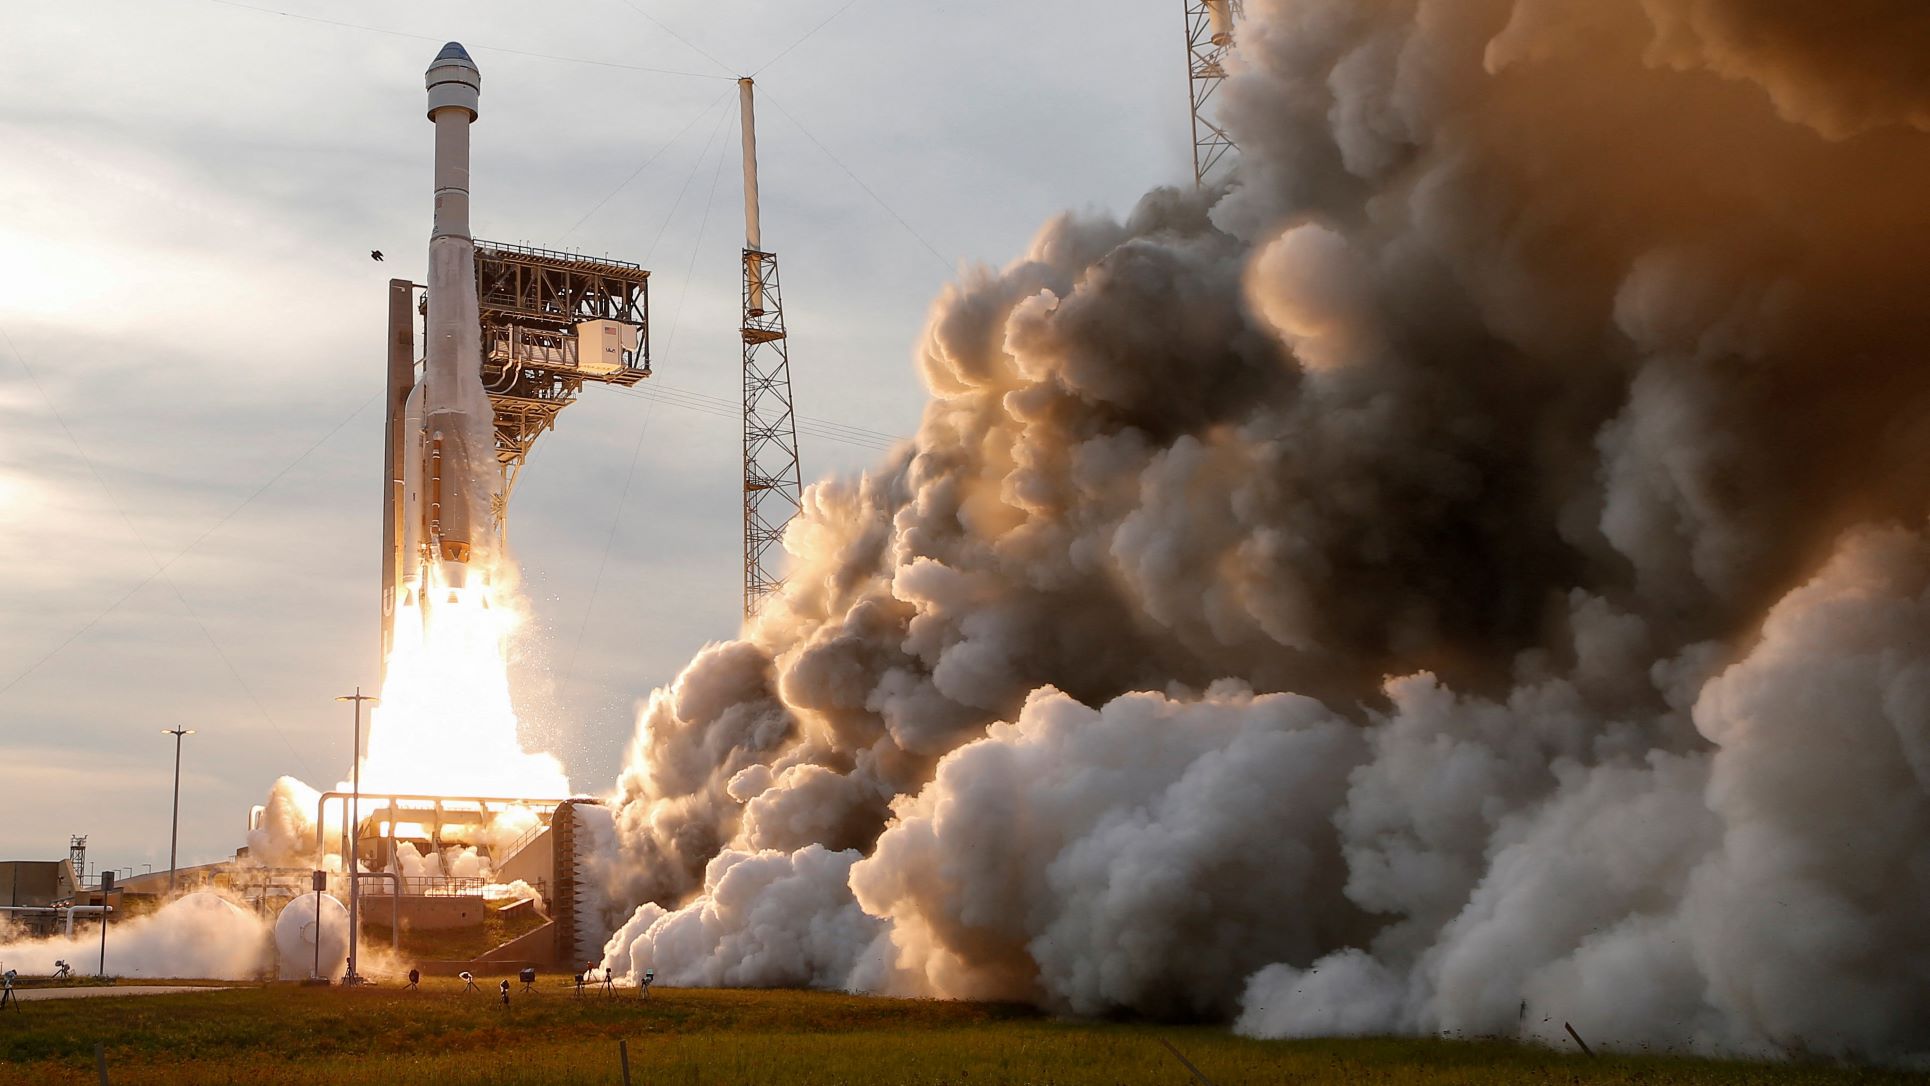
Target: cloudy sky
191,335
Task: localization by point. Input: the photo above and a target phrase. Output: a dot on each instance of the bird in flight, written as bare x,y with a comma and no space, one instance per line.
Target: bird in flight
375,254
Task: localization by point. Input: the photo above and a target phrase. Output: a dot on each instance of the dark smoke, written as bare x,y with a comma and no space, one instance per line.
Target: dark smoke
1471,559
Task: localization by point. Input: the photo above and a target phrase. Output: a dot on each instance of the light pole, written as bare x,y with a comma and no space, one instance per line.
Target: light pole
354,827
320,880
107,888
174,835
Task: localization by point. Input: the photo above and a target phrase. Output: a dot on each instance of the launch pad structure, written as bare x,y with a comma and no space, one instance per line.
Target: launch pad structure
773,484
528,328
1209,38
541,324
551,321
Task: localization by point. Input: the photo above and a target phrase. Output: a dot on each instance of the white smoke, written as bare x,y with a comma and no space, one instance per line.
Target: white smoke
1064,857
284,834
765,920
1447,579
514,891
200,935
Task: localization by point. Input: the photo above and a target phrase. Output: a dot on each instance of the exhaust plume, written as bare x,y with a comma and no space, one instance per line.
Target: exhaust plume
1472,561
199,935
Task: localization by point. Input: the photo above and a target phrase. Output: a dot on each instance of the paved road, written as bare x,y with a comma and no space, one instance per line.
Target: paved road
130,990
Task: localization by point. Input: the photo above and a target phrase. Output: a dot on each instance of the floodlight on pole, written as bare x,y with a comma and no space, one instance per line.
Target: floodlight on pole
354,826
174,835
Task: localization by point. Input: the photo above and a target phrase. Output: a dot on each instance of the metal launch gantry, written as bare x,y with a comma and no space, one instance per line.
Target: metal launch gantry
1209,37
773,484
550,321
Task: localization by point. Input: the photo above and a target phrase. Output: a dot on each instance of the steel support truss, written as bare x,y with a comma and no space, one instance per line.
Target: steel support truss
531,301
773,487
1206,48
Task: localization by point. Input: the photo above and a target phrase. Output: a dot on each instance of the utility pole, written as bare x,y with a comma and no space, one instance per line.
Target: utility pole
320,881
174,834
1209,37
773,486
354,829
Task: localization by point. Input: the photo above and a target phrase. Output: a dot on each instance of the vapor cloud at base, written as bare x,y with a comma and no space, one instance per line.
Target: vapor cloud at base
1462,574
198,935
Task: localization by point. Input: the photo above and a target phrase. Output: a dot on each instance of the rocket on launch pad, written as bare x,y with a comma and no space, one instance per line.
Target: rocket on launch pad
448,469
511,334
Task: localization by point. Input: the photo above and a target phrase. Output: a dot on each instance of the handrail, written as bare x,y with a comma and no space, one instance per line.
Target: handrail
434,885
526,837
486,247
321,807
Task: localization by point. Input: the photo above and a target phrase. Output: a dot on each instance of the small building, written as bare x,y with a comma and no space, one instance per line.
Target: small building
37,884
34,894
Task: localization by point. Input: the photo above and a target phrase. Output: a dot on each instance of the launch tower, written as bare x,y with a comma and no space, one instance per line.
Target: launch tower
773,486
1209,37
517,328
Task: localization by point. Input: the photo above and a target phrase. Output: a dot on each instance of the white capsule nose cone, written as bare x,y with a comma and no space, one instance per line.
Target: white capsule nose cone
453,80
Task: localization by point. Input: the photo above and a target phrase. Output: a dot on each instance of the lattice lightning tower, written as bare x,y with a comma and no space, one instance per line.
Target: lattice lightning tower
773,485
1209,37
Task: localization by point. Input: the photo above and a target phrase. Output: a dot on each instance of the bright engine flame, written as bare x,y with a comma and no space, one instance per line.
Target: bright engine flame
445,725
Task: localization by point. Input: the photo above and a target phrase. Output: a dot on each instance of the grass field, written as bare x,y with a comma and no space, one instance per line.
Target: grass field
687,1037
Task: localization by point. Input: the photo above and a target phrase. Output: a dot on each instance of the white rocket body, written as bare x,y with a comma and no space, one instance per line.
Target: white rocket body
449,464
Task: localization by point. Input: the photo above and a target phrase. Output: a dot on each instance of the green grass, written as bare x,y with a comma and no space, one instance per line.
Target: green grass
688,1037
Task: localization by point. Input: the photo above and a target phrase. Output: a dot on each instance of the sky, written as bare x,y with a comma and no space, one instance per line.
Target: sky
191,337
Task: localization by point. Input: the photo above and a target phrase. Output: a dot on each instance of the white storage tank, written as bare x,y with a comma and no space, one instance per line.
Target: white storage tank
296,934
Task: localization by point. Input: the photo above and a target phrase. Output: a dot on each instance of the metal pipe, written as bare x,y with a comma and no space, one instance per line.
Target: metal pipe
321,805
753,216
316,972
353,859
395,903
1220,13
395,871
753,228
68,910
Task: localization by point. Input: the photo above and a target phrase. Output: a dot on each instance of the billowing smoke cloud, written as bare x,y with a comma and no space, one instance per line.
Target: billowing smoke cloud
199,935
284,831
1463,574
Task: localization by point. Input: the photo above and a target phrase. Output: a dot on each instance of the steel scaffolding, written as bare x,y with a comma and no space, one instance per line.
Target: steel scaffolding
1209,38
532,302
773,485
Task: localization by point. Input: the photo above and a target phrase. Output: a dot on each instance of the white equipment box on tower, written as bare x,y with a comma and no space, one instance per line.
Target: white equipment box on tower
604,347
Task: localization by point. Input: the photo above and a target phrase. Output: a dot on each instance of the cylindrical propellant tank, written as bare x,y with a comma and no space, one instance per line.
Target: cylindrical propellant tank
296,933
